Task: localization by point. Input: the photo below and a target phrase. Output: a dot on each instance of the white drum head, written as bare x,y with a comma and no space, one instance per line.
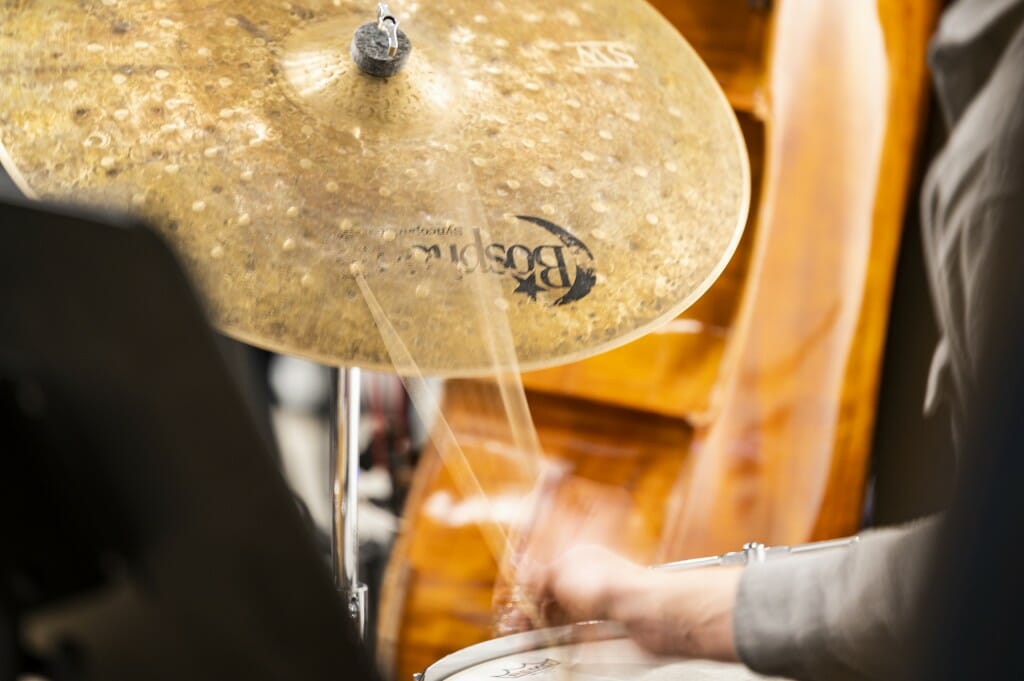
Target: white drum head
584,652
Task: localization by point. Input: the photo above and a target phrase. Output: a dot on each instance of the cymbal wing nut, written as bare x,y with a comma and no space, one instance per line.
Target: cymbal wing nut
373,52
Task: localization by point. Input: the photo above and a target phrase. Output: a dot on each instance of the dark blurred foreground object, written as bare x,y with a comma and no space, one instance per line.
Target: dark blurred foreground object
146,531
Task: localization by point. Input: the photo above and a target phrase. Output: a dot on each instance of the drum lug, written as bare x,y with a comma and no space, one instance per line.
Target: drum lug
755,552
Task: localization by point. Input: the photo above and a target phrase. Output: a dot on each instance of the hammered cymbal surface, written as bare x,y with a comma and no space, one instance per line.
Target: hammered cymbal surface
571,167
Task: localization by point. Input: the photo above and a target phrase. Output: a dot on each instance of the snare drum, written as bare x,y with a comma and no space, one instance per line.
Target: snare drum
597,651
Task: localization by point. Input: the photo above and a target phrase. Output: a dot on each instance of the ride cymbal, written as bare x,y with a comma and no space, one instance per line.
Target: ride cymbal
572,166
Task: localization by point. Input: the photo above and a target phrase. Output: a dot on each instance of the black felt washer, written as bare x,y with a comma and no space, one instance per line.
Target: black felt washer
370,51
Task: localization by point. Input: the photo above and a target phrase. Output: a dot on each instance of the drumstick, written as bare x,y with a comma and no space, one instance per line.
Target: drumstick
447,445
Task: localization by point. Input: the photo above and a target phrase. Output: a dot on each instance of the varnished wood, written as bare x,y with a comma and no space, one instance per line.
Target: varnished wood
795,414
913,22
783,401
622,418
439,585
731,36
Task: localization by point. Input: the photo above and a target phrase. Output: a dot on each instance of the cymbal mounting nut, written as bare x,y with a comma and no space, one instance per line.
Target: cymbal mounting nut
379,48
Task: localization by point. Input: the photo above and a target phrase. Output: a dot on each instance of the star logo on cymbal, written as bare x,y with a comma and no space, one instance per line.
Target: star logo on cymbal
528,285
585,277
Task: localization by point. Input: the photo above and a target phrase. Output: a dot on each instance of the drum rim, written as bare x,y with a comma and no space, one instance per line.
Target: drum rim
479,653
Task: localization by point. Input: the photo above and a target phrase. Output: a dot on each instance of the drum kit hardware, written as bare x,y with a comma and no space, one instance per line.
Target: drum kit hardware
575,163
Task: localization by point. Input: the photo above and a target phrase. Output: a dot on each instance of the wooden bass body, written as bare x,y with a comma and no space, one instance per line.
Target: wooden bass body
748,418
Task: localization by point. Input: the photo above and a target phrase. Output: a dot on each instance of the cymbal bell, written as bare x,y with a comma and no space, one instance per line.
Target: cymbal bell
570,168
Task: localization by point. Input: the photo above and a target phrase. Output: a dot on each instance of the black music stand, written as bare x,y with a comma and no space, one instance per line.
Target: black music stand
146,531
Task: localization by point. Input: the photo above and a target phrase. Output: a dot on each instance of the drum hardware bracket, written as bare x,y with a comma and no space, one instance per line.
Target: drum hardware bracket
387,22
755,552
357,606
379,49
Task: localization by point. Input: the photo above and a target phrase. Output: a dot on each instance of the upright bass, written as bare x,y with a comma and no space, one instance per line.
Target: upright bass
750,416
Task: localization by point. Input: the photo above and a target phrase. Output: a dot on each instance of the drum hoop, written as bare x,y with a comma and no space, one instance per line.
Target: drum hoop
521,643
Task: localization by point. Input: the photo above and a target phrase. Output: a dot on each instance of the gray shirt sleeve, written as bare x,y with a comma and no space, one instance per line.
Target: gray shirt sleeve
838,616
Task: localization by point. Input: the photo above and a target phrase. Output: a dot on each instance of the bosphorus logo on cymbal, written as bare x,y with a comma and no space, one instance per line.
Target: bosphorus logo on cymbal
565,270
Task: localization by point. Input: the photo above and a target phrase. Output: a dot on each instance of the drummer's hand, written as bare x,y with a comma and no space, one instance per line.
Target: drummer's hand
672,613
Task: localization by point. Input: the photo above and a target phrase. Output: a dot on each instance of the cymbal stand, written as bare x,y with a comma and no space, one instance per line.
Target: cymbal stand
380,58
344,462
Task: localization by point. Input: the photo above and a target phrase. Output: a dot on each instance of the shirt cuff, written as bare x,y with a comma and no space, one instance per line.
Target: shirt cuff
842,615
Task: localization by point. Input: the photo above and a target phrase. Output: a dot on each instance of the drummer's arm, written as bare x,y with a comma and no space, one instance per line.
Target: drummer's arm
681,613
834,615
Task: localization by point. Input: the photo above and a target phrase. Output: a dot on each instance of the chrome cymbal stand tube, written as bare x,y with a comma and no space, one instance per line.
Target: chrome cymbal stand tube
344,462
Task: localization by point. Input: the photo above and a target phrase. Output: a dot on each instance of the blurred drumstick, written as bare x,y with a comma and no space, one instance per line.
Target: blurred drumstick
454,459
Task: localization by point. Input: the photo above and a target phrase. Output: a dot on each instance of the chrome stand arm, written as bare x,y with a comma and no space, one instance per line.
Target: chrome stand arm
344,462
